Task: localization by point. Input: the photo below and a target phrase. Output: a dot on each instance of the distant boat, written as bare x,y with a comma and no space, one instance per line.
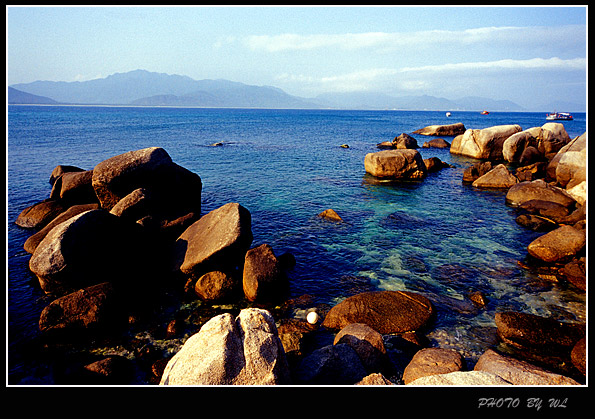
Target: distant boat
485,113
448,114
560,116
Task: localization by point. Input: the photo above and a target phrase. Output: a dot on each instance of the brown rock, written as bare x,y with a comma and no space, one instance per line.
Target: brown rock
436,143
434,164
523,330
330,214
405,141
432,361
559,245
575,272
442,130
497,178
540,190
519,372
375,379
396,164
40,214
215,286
32,242
217,240
384,311
263,278
61,169
366,342
484,143
76,188
579,355
113,370
474,172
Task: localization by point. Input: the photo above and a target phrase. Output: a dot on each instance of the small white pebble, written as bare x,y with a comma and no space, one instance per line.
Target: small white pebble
312,317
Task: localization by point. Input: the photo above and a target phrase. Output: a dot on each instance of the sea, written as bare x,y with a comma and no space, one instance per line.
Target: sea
437,237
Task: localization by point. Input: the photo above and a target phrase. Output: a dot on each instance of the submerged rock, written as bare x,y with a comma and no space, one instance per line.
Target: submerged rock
330,214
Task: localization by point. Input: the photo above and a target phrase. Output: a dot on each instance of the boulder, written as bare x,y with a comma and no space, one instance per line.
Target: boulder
396,164
61,169
553,138
519,372
293,334
484,143
33,241
531,172
575,272
75,188
86,310
384,311
530,156
434,164
218,240
461,379
216,286
497,178
536,222
331,365
514,146
436,143
89,248
569,166
537,189
442,130
245,350
559,245
474,172
134,206
330,214
579,192
263,278
40,214
549,209
405,141
366,342
432,361
528,331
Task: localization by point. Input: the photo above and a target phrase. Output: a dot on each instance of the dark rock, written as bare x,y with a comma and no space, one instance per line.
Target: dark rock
61,169
216,286
579,355
87,310
530,155
434,164
331,365
384,311
113,370
531,172
472,173
287,261
293,334
436,143
522,330
549,209
76,188
575,272
405,141
478,298
536,223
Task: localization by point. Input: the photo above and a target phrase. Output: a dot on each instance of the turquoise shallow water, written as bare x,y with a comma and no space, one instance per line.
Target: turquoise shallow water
438,237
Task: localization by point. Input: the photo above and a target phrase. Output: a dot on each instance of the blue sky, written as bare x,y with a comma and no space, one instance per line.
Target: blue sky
524,54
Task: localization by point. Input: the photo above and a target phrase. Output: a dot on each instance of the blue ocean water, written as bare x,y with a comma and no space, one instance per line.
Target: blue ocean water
437,237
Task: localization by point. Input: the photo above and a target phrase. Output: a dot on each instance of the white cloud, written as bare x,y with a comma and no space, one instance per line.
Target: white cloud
554,63
512,36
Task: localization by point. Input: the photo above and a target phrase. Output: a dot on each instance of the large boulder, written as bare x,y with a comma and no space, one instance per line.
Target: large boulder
89,248
402,164
519,372
442,130
40,214
569,166
176,189
405,141
219,240
384,311
559,245
537,189
553,138
87,310
497,178
477,170
514,146
245,350
432,361
263,278
74,188
484,143
33,241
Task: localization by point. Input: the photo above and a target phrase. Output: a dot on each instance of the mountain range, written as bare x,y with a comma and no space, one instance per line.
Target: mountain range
144,88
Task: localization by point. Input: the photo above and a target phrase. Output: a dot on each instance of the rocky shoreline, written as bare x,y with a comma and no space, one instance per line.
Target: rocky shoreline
115,245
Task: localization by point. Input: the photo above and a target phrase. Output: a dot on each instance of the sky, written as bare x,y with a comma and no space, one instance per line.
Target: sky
527,55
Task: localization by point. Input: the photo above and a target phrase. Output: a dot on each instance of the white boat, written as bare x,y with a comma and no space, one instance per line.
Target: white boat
448,114
559,116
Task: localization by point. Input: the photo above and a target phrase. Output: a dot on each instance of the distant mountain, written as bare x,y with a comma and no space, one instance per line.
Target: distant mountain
145,88
370,100
17,97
